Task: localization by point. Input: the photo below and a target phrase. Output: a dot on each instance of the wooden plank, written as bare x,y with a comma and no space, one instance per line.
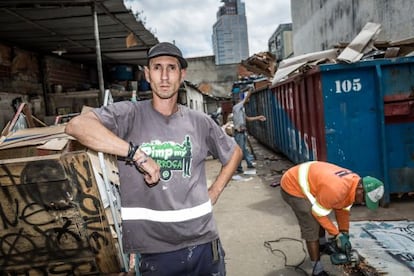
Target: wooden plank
97,226
14,119
33,136
12,153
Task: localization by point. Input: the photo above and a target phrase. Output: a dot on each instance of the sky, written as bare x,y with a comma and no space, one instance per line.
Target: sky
189,23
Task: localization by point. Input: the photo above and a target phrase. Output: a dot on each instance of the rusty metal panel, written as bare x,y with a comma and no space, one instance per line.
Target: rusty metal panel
314,137
264,132
53,219
398,91
295,118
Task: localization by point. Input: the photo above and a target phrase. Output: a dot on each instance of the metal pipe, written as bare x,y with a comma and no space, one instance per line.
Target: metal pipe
98,56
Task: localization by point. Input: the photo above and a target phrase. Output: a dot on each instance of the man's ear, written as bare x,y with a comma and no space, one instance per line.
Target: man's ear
359,195
183,75
147,75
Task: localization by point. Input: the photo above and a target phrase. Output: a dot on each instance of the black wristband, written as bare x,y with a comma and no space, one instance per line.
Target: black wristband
131,152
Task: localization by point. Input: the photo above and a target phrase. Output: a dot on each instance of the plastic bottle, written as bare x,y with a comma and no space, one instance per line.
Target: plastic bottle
134,96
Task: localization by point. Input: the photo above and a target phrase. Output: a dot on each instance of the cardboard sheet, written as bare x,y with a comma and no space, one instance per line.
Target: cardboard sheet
361,44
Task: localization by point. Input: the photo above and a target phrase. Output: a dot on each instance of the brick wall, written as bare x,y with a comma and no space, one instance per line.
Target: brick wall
72,76
19,71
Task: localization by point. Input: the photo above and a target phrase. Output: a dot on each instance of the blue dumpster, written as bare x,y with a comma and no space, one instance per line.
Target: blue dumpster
360,116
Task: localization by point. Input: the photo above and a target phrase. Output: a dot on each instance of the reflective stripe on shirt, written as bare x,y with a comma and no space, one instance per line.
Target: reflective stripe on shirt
304,185
166,216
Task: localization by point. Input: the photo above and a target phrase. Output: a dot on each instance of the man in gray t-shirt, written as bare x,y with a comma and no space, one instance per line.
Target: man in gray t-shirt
166,206
240,129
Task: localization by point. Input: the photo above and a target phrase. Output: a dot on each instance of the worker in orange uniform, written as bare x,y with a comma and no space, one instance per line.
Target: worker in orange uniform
314,189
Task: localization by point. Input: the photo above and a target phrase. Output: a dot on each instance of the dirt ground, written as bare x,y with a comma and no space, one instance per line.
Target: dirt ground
259,231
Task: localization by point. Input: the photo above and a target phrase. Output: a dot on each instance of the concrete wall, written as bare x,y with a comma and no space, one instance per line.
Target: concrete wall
213,79
320,24
287,44
194,99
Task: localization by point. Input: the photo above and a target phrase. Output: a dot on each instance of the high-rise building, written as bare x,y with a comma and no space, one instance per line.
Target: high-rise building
230,42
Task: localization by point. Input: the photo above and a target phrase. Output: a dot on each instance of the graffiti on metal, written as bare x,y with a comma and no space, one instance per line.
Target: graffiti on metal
395,238
51,219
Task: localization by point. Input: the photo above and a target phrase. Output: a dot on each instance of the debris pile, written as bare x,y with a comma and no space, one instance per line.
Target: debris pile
363,47
263,63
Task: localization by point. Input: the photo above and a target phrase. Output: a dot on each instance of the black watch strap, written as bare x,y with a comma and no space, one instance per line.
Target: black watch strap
131,152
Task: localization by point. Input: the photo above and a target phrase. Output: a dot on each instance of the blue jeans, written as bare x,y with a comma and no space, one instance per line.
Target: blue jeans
241,140
204,259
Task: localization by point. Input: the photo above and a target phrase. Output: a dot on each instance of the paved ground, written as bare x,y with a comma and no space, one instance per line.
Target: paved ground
259,231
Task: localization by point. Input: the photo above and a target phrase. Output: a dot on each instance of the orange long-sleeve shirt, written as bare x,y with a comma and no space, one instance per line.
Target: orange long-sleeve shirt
333,188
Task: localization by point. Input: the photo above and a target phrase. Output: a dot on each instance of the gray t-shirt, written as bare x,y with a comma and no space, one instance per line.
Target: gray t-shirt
239,116
177,212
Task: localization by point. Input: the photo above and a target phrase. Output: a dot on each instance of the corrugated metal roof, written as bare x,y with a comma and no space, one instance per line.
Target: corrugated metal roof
49,25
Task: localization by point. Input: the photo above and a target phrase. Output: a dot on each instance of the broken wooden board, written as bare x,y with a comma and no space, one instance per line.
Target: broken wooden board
53,219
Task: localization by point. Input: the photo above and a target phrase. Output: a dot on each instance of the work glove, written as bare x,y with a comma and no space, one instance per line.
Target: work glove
342,242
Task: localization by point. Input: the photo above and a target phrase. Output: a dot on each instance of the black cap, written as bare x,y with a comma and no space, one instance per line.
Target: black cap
167,49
